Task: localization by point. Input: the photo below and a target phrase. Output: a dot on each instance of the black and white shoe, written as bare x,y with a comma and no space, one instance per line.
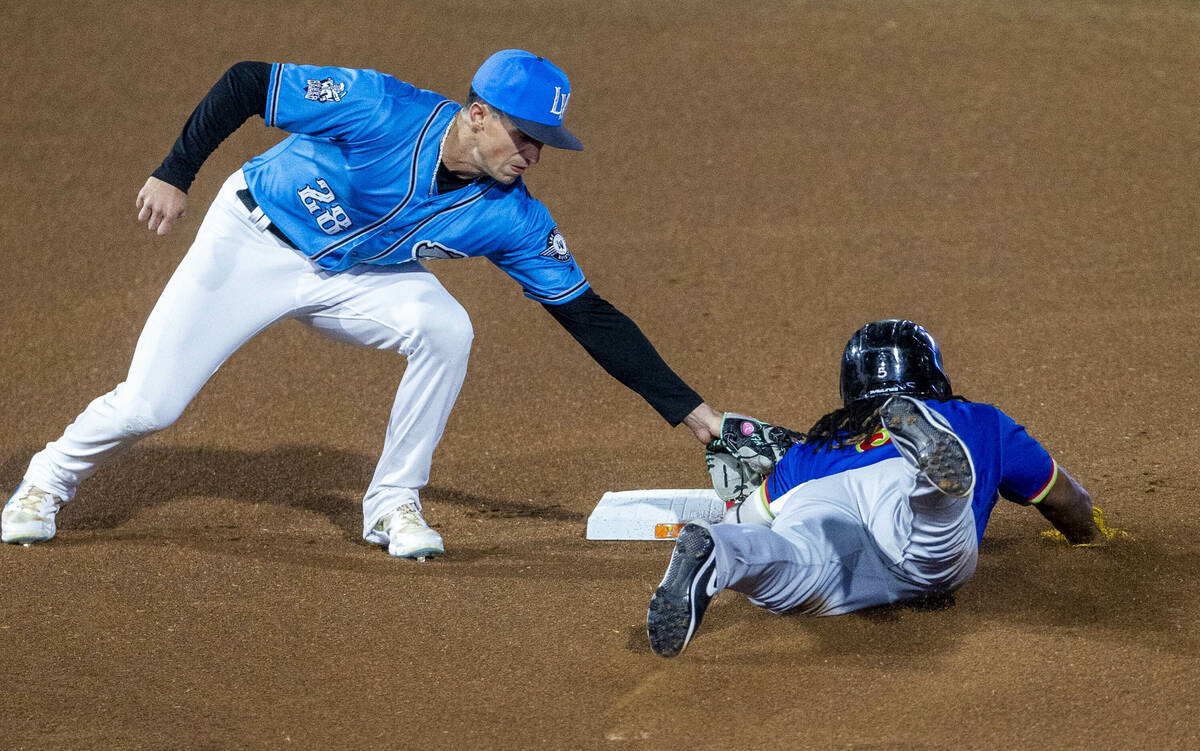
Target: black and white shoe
927,441
684,593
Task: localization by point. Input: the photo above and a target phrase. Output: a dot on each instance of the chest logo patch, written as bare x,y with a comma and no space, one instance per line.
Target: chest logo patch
430,249
324,91
556,247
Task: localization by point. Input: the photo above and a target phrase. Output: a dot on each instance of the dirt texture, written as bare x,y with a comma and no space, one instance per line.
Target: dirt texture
758,181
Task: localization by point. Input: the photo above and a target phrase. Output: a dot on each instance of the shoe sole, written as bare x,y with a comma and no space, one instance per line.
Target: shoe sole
429,548
24,533
25,538
934,448
673,617
420,554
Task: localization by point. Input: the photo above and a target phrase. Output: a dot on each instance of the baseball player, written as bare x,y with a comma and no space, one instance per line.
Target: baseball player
331,228
882,501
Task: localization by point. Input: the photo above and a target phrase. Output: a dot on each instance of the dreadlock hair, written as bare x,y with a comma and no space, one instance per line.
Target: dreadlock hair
852,424
847,425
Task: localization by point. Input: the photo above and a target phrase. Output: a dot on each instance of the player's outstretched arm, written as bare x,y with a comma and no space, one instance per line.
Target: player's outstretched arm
1069,508
619,346
160,204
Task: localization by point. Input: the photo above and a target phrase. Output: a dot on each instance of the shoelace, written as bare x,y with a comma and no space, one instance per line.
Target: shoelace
33,500
408,514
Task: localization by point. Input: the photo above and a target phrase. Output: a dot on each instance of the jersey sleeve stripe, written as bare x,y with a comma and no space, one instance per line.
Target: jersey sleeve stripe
1041,494
561,297
765,500
273,94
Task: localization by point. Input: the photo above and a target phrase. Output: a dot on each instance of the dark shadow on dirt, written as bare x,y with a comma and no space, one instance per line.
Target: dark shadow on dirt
1132,589
324,481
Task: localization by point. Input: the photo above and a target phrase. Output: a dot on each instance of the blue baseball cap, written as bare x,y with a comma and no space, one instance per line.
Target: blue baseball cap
532,91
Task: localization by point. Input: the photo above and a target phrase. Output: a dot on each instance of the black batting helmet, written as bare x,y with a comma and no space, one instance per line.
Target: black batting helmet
892,357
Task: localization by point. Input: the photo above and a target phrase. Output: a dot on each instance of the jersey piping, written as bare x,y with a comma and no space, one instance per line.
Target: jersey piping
562,296
1041,494
412,189
396,245
273,105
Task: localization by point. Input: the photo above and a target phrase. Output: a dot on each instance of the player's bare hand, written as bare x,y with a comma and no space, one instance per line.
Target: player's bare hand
160,205
705,423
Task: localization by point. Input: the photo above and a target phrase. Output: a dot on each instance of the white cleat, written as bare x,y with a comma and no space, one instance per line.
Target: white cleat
409,536
28,517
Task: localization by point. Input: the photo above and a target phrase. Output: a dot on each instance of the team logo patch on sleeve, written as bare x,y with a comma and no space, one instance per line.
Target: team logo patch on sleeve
556,247
324,91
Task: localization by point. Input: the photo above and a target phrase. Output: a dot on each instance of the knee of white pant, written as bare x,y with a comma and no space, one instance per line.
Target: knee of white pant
443,330
135,415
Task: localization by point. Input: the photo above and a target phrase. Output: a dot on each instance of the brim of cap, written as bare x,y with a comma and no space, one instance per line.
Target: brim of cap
551,135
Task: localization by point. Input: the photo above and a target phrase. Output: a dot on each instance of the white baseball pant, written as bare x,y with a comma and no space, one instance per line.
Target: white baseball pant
236,280
870,536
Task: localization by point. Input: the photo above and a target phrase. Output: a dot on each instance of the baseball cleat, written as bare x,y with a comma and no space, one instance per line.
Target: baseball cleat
409,536
684,593
28,516
926,440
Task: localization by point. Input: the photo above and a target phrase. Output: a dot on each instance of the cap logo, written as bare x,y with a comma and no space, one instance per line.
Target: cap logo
531,91
560,102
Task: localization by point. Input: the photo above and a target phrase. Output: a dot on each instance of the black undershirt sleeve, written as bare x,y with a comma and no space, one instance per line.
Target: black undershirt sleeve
240,93
615,341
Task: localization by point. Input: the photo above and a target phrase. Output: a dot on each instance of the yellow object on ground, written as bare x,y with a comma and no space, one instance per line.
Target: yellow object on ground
1107,533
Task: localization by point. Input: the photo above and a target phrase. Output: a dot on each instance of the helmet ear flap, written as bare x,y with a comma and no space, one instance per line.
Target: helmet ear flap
940,386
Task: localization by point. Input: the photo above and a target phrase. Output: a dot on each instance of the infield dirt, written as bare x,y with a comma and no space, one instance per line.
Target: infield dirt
758,181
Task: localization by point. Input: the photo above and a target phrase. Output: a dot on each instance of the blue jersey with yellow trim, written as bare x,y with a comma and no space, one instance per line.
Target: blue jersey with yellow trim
355,183
1007,459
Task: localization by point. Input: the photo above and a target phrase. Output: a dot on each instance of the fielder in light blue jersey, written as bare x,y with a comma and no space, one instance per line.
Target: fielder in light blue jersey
354,128
330,228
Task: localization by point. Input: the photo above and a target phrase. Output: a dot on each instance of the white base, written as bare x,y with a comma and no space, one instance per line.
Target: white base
651,514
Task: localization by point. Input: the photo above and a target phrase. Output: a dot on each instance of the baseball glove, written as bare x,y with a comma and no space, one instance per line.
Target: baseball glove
745,454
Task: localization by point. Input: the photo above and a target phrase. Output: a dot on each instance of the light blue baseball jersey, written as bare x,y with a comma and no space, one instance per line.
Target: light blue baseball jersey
1007,459
355,183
